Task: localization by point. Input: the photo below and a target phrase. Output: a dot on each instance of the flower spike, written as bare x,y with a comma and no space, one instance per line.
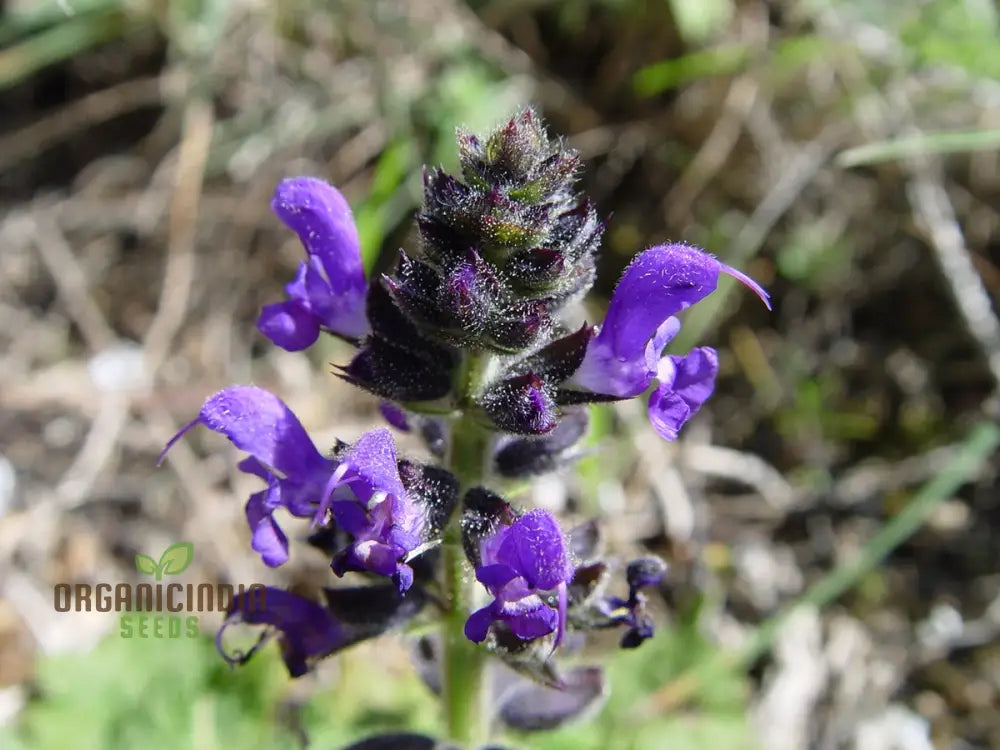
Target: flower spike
470,343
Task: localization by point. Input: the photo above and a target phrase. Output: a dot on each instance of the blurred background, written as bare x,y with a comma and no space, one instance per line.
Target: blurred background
843,153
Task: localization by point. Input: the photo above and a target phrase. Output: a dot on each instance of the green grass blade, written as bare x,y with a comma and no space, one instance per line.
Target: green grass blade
919,145
980,445
19,22
60,42
670,74
976,449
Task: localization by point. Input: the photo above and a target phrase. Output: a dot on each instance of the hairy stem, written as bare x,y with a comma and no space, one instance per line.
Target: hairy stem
464,688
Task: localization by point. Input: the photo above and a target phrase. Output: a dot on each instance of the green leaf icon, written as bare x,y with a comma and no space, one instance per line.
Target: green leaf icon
146,564
176,558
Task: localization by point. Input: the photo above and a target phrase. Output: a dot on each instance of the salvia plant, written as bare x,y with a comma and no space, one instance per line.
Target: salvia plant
467,346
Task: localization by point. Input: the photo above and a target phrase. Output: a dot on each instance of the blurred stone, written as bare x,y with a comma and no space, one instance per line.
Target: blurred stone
896,728
768,571
61,431
930,705
950,517
943,627
118,368
979,694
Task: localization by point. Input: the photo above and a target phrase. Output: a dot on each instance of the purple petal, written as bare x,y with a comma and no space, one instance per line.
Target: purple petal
495,577
657,285
329,289
268,540
667,413
491,545
350,516
288,325
258,422
376,557
318,213
515,595
535,547
373,458
644,571
693,375
403,536
518,560
663,336
534,623
307,630
385,523
340,311
403,577
311,287
603,371
478,624
685,384
297,498
563,604
382,559
250,465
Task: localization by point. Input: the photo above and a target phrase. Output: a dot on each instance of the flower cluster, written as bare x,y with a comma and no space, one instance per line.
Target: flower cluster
465,336
360,489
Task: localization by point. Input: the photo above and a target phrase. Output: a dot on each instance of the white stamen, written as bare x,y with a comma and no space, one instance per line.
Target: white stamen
749,283
377,497
417,551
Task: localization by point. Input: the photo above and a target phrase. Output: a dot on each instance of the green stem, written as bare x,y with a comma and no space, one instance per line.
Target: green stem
464,687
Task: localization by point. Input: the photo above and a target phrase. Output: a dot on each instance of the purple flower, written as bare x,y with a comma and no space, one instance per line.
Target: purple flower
641,573
328,292
306,630
361,488
368,501
281,453
624,357
518,564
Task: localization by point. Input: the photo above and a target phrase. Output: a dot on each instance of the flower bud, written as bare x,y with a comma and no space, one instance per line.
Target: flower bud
522,457
519,327
521,405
